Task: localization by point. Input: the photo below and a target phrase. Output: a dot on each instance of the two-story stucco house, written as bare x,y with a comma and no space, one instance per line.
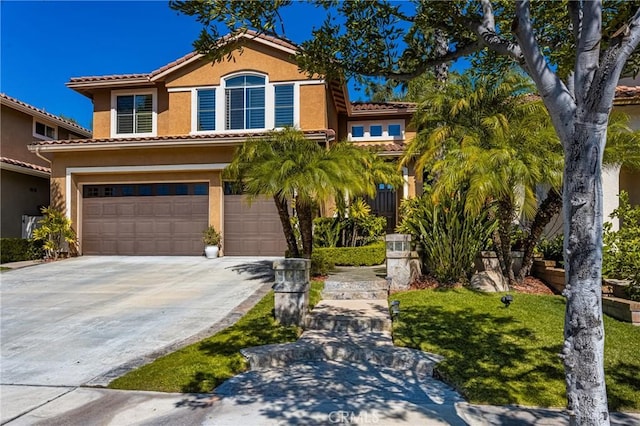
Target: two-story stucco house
149,181
24,175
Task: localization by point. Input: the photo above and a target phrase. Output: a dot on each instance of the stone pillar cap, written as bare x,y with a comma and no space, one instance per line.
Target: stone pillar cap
291,263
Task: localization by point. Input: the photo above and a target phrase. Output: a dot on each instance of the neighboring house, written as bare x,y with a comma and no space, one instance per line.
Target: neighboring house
150,180
25,175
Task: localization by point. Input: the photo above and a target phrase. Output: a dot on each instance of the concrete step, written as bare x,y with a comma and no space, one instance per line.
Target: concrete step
350,316
345,323
358,285
326,349
354,295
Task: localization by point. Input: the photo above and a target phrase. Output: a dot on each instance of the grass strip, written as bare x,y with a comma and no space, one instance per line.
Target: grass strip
204,365
498,355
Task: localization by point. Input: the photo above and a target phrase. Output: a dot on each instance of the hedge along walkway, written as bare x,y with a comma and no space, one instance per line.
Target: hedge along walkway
497,355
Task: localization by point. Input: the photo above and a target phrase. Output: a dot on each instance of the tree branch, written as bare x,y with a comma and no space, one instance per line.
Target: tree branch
613,60
554,93
486,32
575,12
588,47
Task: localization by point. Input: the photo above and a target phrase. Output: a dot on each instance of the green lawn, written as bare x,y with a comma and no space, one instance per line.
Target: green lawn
204,365
498,355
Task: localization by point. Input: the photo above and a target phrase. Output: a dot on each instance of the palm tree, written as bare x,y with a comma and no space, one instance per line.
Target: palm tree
302,173
488,136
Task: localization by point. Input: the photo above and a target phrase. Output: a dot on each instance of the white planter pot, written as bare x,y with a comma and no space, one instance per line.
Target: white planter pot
211,252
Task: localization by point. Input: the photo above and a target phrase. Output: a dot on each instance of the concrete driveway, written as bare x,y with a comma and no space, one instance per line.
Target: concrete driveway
85,320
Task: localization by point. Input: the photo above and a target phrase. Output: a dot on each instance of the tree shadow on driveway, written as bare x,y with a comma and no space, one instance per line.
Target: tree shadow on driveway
261,270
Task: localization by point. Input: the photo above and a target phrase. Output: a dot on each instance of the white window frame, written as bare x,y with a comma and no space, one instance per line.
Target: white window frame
221,112
385,130
47,124
114,113
269,100
194,110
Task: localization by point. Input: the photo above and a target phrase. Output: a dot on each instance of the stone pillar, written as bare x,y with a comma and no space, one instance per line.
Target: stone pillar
403,265
291,290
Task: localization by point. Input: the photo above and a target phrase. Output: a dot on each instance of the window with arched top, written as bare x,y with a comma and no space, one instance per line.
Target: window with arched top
245,101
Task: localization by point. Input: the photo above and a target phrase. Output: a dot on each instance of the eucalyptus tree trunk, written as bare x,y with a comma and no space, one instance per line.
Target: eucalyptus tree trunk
583,350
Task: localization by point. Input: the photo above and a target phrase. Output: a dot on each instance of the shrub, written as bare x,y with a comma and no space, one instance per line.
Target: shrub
621,249
55,230
552,248
450,238
320,263
373,254
358,228
19,249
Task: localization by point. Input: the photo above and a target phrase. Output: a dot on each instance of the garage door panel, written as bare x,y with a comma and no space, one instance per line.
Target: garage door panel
146,225
252,229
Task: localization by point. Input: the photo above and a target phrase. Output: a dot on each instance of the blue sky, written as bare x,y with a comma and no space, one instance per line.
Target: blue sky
45,43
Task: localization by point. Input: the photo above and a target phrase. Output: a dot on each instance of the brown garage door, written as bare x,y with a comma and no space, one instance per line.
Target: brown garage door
144,219
252,230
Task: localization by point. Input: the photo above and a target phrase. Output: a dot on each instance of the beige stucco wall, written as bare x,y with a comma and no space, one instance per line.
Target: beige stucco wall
255,57
20,195
313,107
174,108
16,132
137,157
102,114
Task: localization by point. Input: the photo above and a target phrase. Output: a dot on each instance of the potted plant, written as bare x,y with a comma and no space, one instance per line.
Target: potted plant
211,239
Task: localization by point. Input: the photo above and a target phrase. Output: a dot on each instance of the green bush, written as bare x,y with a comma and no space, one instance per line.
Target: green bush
552,248
373,254
450,238
358,228
621,249
19,249
55,230
320,263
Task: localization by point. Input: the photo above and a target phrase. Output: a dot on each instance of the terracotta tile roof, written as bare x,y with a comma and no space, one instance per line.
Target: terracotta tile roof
388,148
148,76
383,106
67,123
328,133
25,165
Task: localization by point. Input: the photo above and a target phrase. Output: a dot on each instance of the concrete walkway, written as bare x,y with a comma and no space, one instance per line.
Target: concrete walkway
343,370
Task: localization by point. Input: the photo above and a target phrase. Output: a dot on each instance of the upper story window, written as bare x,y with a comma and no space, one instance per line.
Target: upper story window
245,101
42,130
376,130
206,109
133,113
284,105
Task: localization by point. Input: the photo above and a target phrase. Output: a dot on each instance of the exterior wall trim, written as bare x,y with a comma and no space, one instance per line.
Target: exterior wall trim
70,171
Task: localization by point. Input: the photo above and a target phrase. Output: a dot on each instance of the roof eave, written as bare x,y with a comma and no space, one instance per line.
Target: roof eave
173,143
24,170
51,118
